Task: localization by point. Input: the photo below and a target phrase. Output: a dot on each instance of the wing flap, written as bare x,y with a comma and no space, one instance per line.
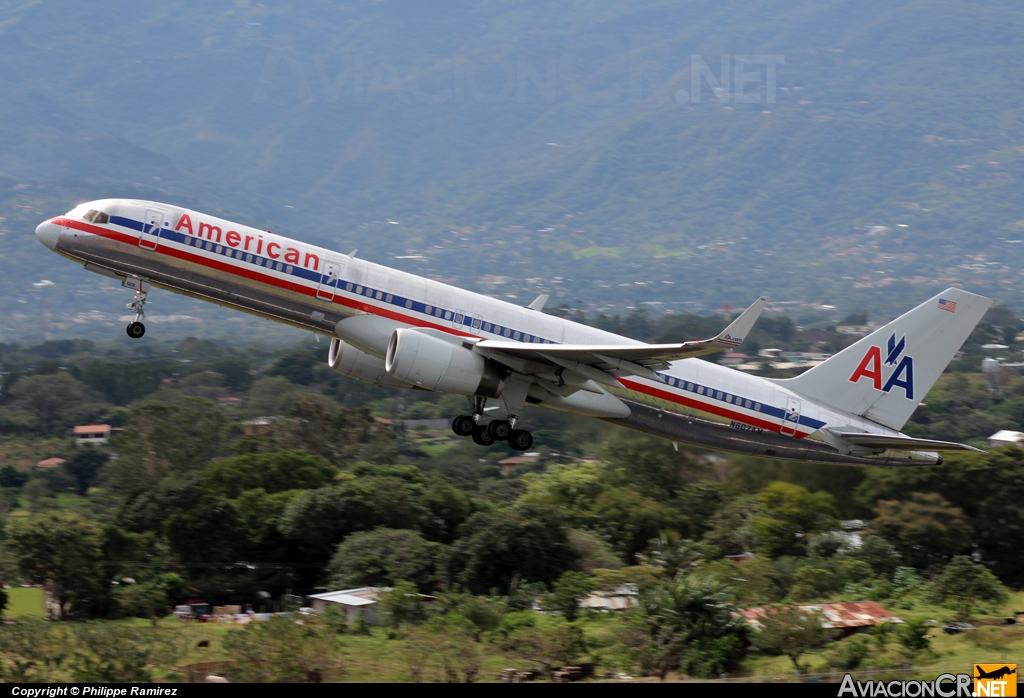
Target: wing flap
619,356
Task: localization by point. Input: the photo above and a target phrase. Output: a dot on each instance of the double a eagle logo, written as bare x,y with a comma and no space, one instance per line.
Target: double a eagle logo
897,365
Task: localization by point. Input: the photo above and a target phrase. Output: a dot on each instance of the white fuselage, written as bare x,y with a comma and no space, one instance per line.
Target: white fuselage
314,288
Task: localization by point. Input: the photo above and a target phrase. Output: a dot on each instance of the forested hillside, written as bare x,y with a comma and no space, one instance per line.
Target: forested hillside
516,148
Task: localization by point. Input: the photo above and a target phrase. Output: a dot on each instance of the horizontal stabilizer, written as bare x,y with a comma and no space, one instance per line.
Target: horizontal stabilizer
898,441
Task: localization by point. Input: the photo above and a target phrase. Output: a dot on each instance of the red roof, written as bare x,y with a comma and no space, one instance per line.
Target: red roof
93,429
846,614
50,462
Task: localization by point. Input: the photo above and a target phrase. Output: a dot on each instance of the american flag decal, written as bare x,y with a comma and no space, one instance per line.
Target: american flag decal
947,305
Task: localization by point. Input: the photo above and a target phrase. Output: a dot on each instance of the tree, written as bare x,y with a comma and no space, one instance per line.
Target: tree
402,603
926,528
554,643
382,556
54,400
164,439
913,635
790,515
685,623
570,589
84,466
279,650
964,583
879,554
493,548
66,549
273,472
790,631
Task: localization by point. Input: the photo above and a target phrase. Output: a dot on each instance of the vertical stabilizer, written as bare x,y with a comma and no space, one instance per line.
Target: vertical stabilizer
884,376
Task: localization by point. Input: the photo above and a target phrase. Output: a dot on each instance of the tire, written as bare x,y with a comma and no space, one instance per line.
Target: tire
481,436
520,440
135,330
499,429
463,425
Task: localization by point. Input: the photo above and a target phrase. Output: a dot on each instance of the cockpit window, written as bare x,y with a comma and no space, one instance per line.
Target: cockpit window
97,217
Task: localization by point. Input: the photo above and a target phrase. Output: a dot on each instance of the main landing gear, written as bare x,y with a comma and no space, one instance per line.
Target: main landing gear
135,328
495,430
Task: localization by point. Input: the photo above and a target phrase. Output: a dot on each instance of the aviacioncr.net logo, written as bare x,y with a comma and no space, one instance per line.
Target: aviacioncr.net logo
899,366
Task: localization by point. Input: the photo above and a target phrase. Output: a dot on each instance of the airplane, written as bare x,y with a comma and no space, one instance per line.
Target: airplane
395,329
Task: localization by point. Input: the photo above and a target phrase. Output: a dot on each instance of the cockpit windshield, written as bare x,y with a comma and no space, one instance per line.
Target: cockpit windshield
89,214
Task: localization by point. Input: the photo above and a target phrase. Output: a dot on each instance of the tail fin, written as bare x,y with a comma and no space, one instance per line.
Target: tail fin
884,376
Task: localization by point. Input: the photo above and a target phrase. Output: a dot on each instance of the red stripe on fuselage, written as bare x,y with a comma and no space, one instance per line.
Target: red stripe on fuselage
705,407
256,276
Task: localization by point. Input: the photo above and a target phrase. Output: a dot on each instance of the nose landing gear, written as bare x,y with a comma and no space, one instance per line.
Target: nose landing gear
496,430
135,328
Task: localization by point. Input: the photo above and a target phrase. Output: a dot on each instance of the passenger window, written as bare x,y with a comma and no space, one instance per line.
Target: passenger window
289,269
359,290
387,299
448,315
429,310
700,390
515,336
476,324
437,312
458,318
348,287
507,332
408,304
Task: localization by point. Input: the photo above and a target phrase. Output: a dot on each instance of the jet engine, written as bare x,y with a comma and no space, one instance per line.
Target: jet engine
349,361
433,363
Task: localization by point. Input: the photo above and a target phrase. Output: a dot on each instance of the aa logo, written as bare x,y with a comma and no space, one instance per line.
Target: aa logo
995,680
872,367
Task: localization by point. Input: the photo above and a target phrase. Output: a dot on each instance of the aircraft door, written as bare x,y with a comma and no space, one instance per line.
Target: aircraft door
791,419
329,281
152,224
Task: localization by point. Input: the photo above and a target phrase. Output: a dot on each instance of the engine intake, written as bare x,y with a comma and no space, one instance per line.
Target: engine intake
349,361
433,363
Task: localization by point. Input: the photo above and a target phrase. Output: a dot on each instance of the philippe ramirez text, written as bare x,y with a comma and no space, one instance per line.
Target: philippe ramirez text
104,691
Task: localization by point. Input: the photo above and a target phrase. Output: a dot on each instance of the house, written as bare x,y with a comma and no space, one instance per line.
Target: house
615,599
733,358
846,617
258,426
1005,438
741,557
358,602
508,465
49,462
93,434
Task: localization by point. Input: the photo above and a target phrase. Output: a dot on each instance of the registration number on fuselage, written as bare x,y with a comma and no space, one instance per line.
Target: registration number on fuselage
746,427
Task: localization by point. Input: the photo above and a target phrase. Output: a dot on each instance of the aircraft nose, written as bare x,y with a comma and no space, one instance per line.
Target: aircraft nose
48,234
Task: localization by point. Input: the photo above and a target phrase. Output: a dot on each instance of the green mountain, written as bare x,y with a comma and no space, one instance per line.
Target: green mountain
527,147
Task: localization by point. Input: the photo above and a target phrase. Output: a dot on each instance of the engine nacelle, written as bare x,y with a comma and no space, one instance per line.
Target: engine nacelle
349,361
433,363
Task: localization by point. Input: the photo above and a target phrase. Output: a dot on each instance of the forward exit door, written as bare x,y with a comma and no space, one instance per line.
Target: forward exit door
791,419
329,281
152,224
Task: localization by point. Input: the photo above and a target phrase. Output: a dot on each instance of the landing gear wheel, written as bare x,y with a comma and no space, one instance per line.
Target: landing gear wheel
463,425
482,436
136,330
520,440
499,429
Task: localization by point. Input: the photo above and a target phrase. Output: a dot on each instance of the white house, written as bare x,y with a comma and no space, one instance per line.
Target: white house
361,601
1005,437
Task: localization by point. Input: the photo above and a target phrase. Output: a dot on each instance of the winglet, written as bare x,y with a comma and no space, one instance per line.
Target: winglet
538,302
736,332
